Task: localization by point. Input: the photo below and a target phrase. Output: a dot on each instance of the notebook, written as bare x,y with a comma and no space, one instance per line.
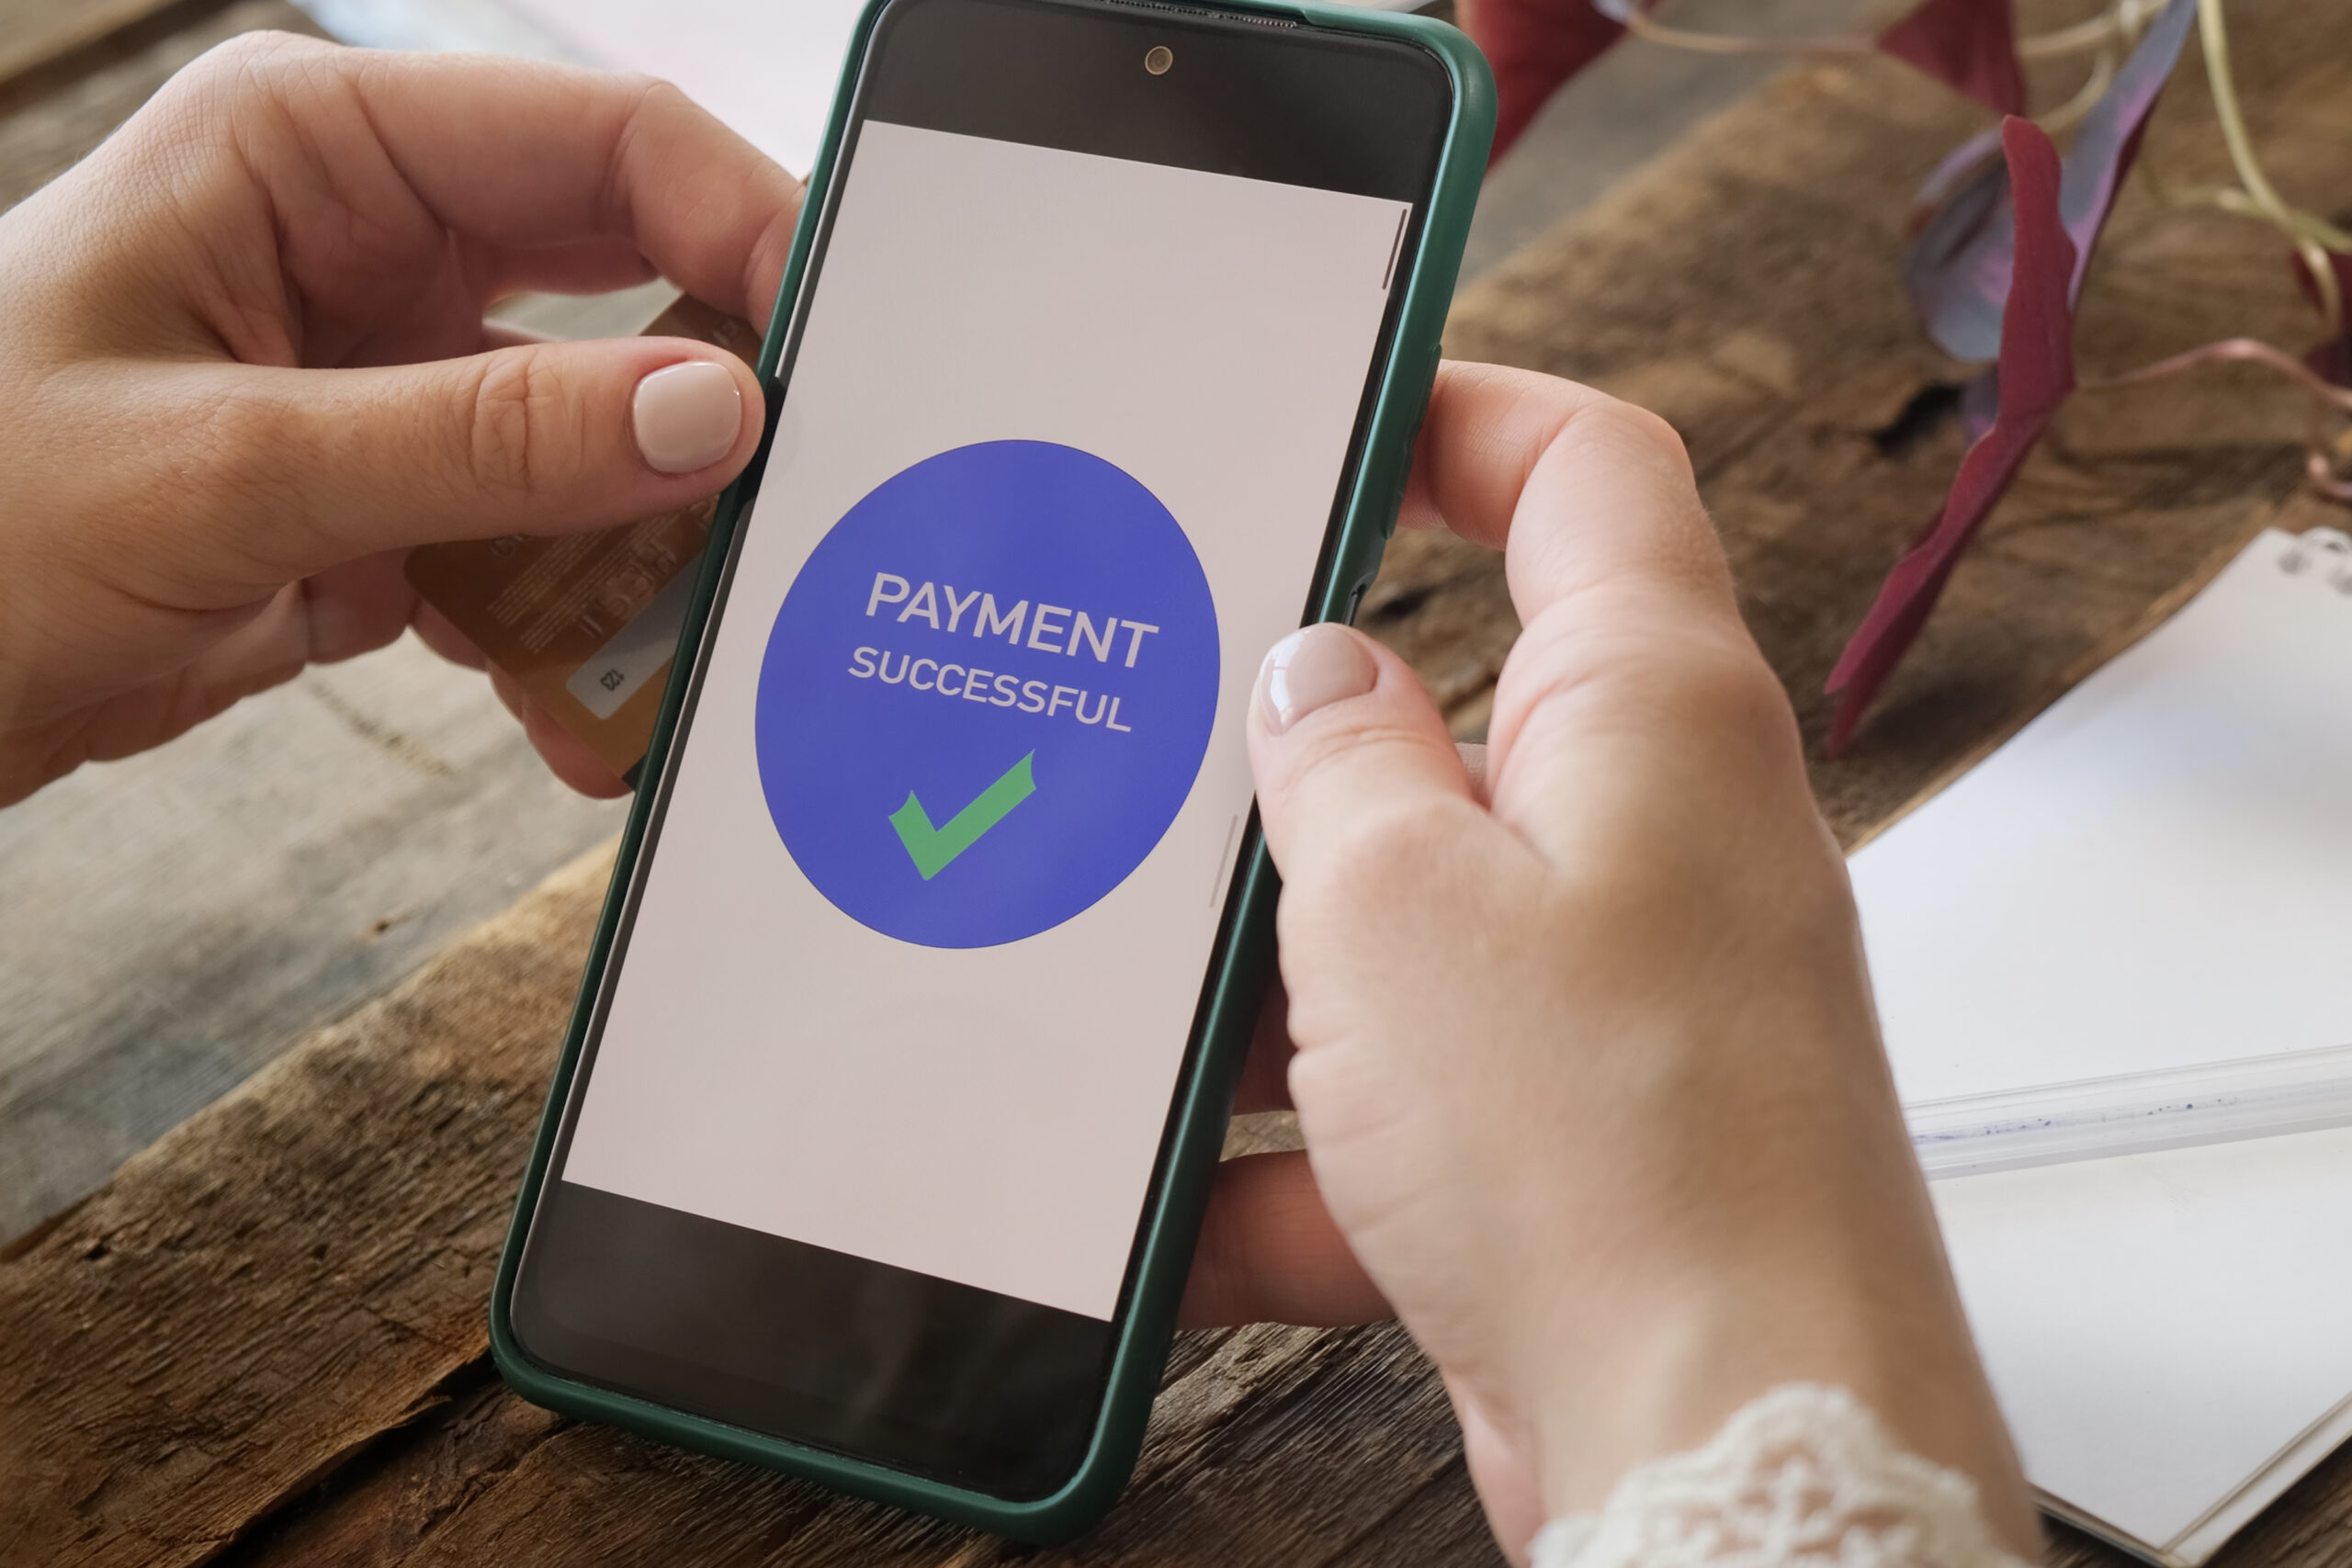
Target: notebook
2155,873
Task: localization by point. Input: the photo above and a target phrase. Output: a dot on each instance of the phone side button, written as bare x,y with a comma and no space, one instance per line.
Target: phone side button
1412,436
1404,470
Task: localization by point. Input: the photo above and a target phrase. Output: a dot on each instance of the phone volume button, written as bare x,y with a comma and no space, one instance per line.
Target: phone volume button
1406,443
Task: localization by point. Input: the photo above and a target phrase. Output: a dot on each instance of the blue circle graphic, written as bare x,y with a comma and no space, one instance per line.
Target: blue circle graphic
987,694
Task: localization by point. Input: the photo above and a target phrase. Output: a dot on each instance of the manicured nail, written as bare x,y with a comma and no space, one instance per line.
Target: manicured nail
1312,667
687,416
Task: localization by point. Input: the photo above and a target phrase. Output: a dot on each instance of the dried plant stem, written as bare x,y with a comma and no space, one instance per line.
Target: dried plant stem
2231,351
2214,32
2305,225
2229,199
2105,37
1639,23
2120,22
2320,455
2102,75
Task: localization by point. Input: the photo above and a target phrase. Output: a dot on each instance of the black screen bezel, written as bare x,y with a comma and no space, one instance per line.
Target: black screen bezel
1254,97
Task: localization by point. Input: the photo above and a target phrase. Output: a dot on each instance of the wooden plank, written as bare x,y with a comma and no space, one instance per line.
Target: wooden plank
173,921
61,108
36,33
292,1273
263,1343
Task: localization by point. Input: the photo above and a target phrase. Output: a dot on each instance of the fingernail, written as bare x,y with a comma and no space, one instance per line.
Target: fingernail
687,416
1312,667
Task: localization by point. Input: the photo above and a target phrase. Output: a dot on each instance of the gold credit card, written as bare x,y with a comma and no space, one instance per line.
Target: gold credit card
587,622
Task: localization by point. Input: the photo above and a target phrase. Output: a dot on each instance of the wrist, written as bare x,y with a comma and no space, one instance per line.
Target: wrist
1661,1368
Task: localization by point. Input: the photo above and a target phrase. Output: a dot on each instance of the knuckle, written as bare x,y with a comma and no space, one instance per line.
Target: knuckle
1631,430
1636,441
1384,855
208,498
1733,688
660,93
250,66
1331,740
239,58
1653,432
1731,691
224,437
213,102
236,437
643,102
1700,685
1747,715
515,424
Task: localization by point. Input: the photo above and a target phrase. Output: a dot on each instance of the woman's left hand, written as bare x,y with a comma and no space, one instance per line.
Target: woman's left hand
243,368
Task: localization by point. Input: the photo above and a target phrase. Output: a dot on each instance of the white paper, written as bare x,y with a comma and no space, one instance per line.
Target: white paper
2155,873
2160,1327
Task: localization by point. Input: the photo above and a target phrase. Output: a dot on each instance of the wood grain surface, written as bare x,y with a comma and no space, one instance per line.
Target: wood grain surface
42,33
264,1342
49,124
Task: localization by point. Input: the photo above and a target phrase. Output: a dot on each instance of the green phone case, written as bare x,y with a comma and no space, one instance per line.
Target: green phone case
1188,1162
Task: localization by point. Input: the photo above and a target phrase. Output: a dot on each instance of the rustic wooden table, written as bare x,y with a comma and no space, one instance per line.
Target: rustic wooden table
264,1341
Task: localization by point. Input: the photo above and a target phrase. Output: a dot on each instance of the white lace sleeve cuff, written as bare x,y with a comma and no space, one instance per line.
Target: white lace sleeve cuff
1803,1477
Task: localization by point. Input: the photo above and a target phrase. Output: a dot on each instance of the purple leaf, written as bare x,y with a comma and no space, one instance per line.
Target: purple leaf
1959,269
1958,272
1970,46
2037,372
1980,403
1962,162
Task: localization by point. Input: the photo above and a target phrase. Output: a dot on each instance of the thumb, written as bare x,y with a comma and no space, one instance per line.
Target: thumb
1346,746
306,468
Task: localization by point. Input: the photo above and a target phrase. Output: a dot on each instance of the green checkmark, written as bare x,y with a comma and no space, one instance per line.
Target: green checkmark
933,848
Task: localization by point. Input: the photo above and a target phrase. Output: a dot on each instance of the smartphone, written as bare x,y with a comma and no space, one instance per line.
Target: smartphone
900,1068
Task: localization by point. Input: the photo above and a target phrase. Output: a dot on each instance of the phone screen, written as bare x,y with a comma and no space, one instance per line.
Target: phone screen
943,849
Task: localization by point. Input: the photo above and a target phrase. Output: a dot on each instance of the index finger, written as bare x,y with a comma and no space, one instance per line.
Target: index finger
525,155
1577,488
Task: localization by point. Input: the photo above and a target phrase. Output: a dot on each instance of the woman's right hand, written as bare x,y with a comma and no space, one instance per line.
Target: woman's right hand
1585,1054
